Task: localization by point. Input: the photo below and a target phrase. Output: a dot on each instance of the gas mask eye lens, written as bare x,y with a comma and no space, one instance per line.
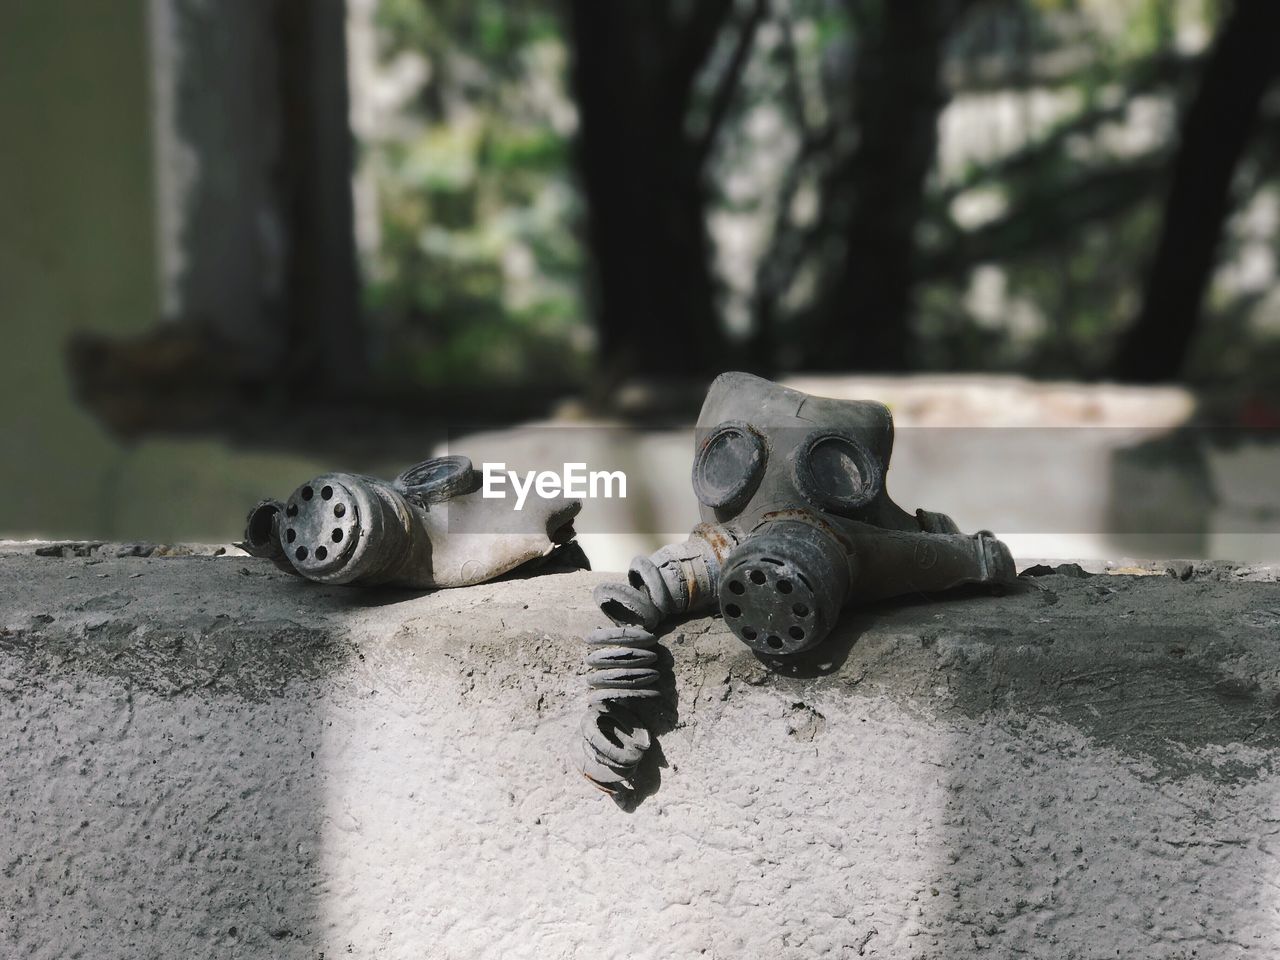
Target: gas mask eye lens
835,472
729,466
438,479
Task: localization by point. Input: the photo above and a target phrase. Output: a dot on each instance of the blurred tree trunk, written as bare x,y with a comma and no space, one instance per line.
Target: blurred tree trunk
253,160
865,310
326,343
1215,131
642,172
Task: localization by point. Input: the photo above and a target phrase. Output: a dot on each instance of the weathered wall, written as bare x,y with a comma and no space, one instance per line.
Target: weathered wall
76,244
202,757
77,253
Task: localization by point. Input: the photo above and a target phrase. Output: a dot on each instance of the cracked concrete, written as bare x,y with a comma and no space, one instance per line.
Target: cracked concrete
203,756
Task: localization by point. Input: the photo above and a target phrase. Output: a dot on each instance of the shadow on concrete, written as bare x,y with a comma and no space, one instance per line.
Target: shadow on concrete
830,656
161,763
1160,497
1204,490
566,558
1089,745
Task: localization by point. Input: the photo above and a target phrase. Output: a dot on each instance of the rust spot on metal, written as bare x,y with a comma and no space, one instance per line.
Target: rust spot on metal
802,515
714,534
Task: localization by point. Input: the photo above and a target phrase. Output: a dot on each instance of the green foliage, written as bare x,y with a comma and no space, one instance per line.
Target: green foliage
1092,183
1080,197
1036,226
475,273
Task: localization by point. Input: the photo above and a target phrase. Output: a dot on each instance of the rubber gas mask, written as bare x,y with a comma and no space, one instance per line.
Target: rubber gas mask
429,527
796,524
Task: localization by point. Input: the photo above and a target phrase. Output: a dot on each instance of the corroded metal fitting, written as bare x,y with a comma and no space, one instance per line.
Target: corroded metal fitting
679,580
429,527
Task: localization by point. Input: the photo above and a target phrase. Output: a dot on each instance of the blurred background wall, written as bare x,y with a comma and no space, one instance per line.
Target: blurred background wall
242,241
78,248
100,228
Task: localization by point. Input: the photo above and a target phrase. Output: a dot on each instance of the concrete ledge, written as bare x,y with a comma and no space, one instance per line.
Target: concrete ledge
204,757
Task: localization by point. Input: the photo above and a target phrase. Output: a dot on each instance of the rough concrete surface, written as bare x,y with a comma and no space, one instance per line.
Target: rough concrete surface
204,757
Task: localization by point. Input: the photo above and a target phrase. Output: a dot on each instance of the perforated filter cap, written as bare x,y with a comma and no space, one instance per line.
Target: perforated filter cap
320,526
782,589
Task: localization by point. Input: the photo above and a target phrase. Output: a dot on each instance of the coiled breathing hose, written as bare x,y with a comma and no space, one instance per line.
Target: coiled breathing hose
676,581
615,739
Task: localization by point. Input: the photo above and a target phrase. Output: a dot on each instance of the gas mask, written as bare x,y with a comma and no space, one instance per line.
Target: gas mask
429,527
796,524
